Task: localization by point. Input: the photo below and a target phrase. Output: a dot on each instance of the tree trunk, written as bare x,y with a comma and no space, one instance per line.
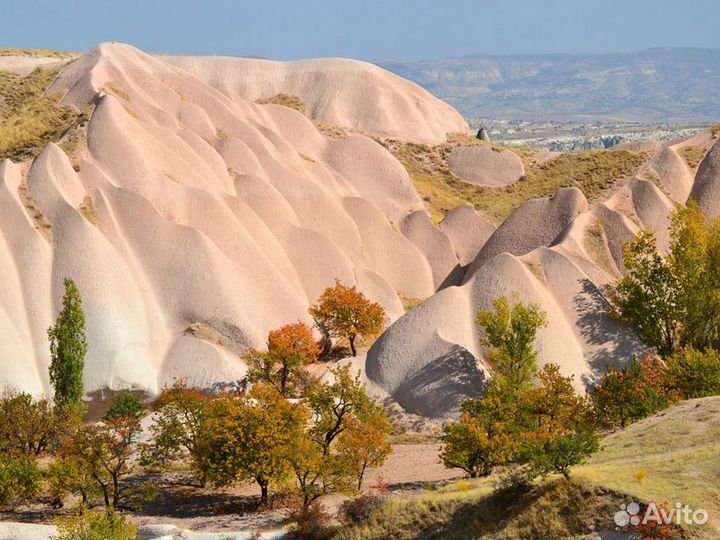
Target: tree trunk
263,491
352,345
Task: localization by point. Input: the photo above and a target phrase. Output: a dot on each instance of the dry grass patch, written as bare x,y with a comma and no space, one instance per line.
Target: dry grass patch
205,332
471,509
41,222
331,130
28,118
286,100
692,155
593,172
115,90
87,208
37,53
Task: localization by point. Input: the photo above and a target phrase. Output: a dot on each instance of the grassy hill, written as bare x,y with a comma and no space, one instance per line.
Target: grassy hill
671,457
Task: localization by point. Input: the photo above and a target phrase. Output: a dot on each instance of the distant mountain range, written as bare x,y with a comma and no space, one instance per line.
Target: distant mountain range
651,85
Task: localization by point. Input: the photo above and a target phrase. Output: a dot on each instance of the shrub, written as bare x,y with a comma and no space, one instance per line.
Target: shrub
693,374
358,510
20,479
96,525
311,523
625,395
125,405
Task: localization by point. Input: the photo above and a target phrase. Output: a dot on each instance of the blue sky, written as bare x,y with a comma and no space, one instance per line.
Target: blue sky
369,29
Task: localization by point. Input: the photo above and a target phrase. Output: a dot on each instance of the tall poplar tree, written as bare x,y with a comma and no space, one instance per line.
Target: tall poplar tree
68,347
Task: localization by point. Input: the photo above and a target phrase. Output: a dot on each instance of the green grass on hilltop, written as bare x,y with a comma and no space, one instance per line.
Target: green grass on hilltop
593,172
29,119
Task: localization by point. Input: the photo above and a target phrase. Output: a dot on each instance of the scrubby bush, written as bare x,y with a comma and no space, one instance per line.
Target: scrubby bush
693,374
625,395
20,479
358,510
95,525
311,523
124,405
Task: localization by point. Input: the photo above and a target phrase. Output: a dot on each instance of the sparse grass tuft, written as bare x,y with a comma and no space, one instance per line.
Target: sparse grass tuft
112,88
596,246
286,100
87,209
41,222
28,118
410,303
306,158
205,332
331,130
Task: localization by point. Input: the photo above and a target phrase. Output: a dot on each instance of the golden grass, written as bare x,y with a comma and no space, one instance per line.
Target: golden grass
112,88
37,53
286,100
28,118
471,509
692,155
593,172
671,457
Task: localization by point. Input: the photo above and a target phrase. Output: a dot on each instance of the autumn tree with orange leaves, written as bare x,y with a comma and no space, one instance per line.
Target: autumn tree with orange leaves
344,312
282,366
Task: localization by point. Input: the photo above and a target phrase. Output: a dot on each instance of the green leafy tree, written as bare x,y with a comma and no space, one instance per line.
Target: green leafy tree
510,333
646,295
477,445
695,263
20,478
345,312
125,404
335,407
673,300
68,347
95,525
179,414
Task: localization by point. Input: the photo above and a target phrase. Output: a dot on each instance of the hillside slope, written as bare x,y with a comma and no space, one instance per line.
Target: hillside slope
193,221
